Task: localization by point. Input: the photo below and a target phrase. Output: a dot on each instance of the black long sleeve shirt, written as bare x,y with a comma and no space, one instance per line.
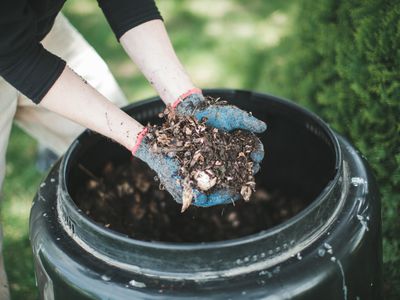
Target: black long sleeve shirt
26,64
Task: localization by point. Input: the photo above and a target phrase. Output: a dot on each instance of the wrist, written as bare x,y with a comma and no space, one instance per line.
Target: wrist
139,140
185,96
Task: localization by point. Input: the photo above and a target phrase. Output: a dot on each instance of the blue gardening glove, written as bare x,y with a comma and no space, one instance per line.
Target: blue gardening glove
226,117
167,169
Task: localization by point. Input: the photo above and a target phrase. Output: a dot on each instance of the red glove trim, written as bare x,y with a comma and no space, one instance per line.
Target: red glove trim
139,139
187,94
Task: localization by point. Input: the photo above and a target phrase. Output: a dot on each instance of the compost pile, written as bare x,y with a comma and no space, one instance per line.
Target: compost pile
126,198
210,159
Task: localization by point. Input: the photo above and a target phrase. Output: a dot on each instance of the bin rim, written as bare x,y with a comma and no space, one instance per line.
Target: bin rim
69,205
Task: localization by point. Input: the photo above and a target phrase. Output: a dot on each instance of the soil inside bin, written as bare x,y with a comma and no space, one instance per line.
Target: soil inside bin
127,199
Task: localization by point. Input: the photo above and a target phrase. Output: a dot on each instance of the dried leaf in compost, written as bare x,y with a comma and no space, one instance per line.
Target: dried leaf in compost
196,157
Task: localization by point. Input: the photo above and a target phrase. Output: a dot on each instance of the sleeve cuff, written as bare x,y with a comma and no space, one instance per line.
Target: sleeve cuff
34,73
52,66
123,15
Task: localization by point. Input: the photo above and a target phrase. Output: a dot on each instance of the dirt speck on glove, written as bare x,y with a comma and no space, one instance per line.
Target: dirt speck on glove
210,159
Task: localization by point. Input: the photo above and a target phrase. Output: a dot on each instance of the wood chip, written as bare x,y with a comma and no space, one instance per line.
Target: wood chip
187,195
246,192
204,180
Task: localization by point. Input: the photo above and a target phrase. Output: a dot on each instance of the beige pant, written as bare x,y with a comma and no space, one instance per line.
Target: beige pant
50,129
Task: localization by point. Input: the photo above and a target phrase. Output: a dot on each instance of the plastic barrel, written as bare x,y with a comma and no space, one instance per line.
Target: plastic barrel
330,250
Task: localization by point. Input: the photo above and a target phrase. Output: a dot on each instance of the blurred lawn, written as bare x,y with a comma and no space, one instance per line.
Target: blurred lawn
222,44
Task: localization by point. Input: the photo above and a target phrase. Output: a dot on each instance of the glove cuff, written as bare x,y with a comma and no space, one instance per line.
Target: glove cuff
139,139
185,95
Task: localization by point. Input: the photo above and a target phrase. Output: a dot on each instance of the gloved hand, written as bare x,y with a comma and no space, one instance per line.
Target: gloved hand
225,117
222,117
167,169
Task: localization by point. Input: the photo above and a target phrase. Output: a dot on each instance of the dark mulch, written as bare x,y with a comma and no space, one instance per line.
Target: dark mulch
127,199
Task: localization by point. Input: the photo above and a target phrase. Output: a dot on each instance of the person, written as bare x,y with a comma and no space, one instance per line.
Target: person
51,80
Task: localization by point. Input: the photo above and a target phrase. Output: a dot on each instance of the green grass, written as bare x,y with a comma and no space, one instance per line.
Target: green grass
19,187
231,45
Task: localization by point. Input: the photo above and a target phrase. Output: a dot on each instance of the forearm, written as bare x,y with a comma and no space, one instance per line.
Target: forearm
150,48
76,100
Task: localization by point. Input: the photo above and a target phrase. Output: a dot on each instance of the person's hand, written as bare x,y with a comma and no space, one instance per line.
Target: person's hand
225,117
167,170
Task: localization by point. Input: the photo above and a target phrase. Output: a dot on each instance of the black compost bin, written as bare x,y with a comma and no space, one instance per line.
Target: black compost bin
331,249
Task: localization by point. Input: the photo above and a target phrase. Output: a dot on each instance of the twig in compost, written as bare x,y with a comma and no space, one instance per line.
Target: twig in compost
87,172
